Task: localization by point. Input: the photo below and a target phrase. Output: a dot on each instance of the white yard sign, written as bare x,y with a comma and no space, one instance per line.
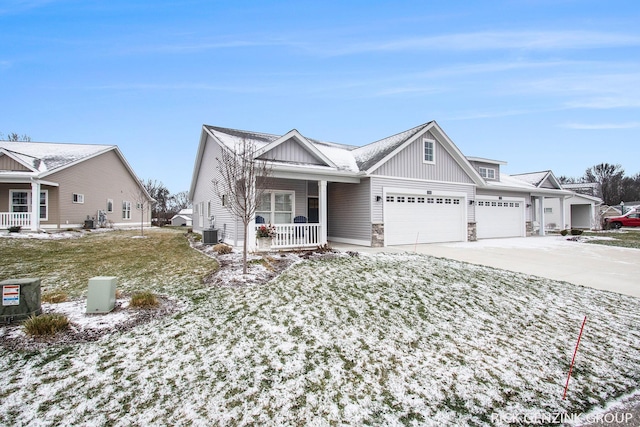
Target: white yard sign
11,295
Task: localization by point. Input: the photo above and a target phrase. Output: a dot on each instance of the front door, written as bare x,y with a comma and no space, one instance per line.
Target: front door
312,210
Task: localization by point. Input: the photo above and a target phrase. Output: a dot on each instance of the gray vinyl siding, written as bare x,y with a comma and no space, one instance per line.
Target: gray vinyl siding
409,163
98,179
349,210
291,151
527,198
229,227
478,165
300,189
8,164
379,183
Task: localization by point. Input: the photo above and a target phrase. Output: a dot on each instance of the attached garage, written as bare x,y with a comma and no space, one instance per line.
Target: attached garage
424,218
499,218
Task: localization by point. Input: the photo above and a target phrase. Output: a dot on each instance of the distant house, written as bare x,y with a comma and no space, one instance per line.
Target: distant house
412,187
581,212
183,218
54,186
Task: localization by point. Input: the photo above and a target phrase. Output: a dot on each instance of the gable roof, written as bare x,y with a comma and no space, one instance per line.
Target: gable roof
537,179
46,158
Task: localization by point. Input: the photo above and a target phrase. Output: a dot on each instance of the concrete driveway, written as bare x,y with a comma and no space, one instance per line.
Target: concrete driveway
554,257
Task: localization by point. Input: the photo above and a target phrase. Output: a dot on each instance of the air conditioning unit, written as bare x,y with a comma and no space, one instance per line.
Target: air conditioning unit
101,296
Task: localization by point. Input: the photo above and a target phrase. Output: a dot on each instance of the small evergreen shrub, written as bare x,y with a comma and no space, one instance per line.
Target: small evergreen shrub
564,232
46,324
576,232
222,249
144,299
55,297
14,229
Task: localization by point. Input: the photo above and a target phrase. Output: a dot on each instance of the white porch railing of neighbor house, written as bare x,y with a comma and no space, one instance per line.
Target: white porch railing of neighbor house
15,219
290,236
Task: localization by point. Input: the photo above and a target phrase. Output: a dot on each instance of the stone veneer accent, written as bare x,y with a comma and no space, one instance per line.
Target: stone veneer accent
529,228
377,235
471,232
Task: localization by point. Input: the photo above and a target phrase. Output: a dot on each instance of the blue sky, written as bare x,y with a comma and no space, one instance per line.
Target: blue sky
539,84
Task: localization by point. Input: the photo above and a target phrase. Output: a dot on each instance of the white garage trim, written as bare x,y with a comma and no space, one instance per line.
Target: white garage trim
428,221
505,217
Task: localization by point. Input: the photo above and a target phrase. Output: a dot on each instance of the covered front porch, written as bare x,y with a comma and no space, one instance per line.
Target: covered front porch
19,207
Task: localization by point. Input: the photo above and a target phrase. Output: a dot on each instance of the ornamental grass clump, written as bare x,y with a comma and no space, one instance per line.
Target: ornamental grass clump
144,299
222,249
46,324
55,297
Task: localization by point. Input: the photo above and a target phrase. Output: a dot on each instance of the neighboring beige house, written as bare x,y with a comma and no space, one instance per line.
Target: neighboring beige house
74,182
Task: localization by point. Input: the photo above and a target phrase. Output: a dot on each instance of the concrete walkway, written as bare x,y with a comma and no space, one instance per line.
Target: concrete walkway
554,257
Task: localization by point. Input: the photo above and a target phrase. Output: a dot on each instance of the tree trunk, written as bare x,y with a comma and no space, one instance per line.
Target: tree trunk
244,249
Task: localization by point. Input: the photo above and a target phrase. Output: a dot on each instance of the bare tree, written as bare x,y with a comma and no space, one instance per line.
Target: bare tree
144,202
609,178
14,137
242,182
179,201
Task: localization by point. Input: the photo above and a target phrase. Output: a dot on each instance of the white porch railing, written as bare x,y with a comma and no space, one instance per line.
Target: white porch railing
13,219
290,236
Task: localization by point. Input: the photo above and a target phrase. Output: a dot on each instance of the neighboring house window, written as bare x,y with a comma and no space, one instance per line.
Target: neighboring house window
548,210
429,151
21,202
488,173
126,210
110,205
224,200
139,206
276,207
78,198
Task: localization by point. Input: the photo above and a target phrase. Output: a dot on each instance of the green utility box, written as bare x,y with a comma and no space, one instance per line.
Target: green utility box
20,299
101,297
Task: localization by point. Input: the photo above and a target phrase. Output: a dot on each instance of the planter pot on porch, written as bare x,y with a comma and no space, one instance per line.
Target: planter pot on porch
264,243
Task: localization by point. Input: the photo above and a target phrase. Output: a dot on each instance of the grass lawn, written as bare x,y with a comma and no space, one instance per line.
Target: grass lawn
369,340
627,238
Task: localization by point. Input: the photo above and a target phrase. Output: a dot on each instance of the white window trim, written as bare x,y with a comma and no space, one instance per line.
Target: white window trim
486,172
78,198
273,203
126,209
425,141
109,203
30,202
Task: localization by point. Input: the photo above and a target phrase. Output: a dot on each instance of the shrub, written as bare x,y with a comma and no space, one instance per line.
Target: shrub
144,299
576,232
46,324
14,229
55,297
564,232
223,249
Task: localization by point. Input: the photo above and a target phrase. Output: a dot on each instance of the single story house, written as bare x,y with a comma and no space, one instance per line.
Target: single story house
57,186
183,218
412,187
581,212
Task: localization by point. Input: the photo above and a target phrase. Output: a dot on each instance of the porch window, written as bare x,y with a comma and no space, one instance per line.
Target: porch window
21,202
276,207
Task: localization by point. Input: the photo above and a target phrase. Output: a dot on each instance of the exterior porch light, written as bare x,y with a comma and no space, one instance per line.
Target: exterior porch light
472,202
378,198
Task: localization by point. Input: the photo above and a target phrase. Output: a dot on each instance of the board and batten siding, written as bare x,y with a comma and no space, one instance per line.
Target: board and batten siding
204,195
291,151
98,179
409,163
379,183
349,211
8,164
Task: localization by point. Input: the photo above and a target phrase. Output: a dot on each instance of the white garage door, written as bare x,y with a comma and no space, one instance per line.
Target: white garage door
413,218
499,218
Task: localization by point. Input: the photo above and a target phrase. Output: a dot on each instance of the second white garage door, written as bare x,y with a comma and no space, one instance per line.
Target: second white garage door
413,218
499,218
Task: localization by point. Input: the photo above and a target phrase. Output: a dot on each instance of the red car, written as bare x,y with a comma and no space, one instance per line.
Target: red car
630,219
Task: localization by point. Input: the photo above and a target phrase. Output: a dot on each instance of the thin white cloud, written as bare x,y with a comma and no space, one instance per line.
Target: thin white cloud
601,126
605,103
495,40
17,6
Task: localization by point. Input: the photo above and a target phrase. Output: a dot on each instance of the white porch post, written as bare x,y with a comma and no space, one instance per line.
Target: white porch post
542,232
35,206
322,211
563,219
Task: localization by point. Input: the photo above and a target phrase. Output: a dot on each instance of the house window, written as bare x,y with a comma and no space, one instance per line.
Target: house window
21,202
488,173
548,210
429,150
400,199
420,199
389,198
139,206
276,207
411,199
126,210
110,205
439,201
78,198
